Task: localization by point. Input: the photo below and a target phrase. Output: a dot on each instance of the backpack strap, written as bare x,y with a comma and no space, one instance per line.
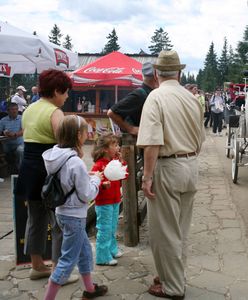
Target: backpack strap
63,164
73,189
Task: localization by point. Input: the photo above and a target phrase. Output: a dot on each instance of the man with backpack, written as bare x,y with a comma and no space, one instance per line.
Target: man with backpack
217,104
127,112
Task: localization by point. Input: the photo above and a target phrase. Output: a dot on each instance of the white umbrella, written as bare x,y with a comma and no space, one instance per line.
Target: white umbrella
24,53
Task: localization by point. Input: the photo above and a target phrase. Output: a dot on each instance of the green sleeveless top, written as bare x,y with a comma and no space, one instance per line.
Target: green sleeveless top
36,122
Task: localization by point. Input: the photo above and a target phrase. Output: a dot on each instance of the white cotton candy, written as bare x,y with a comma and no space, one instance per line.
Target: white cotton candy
115,170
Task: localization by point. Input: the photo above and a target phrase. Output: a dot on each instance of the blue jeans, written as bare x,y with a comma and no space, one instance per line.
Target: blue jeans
106,224
14,151
75,250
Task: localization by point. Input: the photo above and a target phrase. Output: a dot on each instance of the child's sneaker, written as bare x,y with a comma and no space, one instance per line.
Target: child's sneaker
118,254
113,262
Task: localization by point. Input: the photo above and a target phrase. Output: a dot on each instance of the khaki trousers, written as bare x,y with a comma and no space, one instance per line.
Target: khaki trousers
169,218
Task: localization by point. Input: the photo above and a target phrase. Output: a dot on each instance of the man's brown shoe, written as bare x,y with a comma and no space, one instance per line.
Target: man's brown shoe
157,290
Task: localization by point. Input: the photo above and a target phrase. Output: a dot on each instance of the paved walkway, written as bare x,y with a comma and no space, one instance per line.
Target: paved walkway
217,256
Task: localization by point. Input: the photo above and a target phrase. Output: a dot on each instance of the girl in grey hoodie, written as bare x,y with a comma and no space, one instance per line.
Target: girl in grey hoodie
71,217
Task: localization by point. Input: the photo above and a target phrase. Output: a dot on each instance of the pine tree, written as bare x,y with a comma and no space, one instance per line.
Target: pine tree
160,41
112,44
223,64
67,43
242,48
235,67
199,79
210,71
55,35
183,79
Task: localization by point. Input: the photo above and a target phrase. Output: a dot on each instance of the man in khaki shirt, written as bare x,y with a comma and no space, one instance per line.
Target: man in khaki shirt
171,132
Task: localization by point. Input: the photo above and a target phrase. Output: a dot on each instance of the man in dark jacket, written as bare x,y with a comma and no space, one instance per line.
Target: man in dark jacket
127,112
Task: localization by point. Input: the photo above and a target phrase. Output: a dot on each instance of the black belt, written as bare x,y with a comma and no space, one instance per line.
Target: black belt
179,155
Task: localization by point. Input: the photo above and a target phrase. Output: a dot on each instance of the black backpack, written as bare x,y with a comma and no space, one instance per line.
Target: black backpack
52,194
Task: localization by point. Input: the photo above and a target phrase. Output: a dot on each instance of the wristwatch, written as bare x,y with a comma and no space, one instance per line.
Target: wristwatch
146,178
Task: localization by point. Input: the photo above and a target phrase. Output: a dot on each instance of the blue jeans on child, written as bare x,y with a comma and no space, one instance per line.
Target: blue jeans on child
106,224
75,250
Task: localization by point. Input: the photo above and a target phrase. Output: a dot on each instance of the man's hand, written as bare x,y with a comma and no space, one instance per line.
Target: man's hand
9,133
133,130
147,189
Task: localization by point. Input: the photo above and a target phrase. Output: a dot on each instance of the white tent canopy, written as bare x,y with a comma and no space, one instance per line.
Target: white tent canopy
24,53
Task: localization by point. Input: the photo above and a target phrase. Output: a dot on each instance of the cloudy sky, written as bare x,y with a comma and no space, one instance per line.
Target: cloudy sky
191,24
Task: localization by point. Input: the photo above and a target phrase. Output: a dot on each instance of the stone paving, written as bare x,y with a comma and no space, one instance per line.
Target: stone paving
217,266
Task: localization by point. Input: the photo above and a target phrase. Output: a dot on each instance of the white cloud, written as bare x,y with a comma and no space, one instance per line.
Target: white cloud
191,24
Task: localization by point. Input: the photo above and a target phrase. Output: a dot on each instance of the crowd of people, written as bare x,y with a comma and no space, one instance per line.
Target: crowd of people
168,120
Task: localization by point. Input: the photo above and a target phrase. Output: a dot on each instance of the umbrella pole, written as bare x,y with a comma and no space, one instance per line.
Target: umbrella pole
116,94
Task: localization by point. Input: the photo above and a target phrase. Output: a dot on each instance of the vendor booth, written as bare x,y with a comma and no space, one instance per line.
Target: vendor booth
98,85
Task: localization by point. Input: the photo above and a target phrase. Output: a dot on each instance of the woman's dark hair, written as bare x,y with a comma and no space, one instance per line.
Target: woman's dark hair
51,80
102,143
67,132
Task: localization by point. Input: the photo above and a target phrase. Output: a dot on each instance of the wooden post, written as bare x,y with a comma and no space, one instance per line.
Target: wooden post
97,107
130,194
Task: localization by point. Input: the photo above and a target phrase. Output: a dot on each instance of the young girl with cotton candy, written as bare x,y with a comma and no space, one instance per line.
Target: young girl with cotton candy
106,152
71,216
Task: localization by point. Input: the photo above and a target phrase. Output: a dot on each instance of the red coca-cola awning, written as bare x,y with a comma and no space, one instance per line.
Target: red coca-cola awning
114,69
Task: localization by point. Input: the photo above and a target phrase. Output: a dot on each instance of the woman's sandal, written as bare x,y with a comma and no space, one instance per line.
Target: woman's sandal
100,290
156,280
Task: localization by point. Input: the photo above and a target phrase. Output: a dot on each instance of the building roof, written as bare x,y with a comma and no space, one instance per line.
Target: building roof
86,58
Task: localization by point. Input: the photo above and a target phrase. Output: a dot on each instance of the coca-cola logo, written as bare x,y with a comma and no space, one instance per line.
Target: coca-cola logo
136,71
61,57
5,69
112,70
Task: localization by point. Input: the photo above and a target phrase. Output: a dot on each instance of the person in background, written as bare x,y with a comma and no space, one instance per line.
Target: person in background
19,98
217,104
193,88
208,114
126,113
201,98
171,132
71,216
11,127
187,86
40,122
107,202
35,94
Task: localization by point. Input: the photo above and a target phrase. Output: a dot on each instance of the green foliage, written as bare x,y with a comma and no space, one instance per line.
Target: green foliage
242,48
160,41
210,74
112,44
67,43
55,35
189,78
223,64
8,86
199,78
228,68
183,79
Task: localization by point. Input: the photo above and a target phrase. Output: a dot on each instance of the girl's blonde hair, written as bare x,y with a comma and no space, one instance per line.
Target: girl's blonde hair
102,143
67,132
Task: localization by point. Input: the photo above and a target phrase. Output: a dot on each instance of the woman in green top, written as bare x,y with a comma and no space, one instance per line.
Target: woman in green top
40,121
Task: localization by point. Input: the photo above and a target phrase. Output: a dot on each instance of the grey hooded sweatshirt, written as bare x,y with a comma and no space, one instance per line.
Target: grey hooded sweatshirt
73,173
